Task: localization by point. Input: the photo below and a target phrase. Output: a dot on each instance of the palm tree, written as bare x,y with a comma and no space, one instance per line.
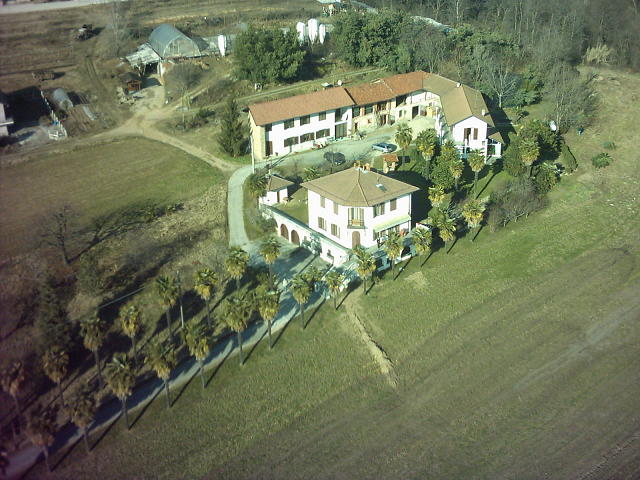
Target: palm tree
437,195
55,362
179,294
236,317
41,429
365,267
257,185
82,409
168,292
476,161
404,135
198,345
456,167
427,141
270,250
12,379
131,323
421,238
529,152
120,379
473,213
301,291
206,280
268,301
446,226
393,246
236,264
161,358
93,333
334,281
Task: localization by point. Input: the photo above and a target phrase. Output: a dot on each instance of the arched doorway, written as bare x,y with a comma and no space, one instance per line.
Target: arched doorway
355,239
284,232
294,237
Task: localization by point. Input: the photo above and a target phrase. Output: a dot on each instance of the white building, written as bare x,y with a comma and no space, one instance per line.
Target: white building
348,208
295,123
277,190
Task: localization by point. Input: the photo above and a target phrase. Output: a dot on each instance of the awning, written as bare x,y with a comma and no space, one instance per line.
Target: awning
392,223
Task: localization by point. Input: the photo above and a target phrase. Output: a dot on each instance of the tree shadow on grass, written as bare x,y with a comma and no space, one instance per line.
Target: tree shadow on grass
286,325
107,430
186,384
67,452
315,310
218,367
253,347
144,409
349,290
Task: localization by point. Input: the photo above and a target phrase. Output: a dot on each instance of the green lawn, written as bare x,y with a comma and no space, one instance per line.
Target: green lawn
94,181
516,357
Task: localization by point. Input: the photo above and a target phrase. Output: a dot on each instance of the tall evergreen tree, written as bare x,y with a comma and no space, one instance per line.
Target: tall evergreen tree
236,264
41,429
301,291
421,238
161,358
334,281
233,133
427,142
477,162
55,363
270,250
268,301
121,379
167,289
131,324
393,247
93,333
206,280
237,311
82,409
198,344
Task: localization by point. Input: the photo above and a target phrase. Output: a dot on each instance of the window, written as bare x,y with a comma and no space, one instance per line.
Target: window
322,133
368,109
384,233
356,217
401,100
291,141
322,116
378,209
335,208
267,127
307,137
305,120
381,106
322,201
288,124
467,133
339,113
335,230
392,205
322,225
475,133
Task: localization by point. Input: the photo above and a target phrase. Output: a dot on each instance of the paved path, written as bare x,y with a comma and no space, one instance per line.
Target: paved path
293,261
11,7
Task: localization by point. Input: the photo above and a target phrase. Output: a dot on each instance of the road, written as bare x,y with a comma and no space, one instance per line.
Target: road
14,8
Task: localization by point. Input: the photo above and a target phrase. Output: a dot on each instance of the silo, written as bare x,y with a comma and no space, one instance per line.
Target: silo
61,99
313,30
222,45
322,32
301,28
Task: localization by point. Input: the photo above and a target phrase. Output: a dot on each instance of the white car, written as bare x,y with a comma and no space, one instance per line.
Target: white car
383,147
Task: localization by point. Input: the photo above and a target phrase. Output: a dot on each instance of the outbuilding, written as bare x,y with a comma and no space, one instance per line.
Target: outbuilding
169,42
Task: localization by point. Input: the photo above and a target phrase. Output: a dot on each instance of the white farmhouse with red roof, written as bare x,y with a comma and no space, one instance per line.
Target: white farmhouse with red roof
295,123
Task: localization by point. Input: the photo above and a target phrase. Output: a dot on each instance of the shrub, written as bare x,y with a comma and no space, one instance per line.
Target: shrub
546,178
517,199
512,161
602,160
568,159
609,145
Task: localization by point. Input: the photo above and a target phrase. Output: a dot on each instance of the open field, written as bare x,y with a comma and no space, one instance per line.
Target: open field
94,181
516,356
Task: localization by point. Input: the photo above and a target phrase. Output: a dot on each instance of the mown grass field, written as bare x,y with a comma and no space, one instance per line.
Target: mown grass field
516,357
95,180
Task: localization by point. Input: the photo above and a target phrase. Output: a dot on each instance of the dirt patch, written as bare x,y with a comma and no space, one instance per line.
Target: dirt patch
377,353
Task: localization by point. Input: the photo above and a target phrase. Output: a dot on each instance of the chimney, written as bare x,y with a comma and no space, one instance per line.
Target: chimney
484,112
457,84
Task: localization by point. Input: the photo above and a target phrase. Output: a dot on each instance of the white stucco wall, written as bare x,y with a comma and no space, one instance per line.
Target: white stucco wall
271,198
341,220
457,131
278,133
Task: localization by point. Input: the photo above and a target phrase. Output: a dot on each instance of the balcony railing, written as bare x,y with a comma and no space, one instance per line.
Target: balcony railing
355,223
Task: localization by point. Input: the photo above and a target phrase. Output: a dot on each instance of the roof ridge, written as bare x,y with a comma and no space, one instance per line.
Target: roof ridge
360,186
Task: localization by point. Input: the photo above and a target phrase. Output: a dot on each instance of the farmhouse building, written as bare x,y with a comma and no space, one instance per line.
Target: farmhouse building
276,190
296,123
345,209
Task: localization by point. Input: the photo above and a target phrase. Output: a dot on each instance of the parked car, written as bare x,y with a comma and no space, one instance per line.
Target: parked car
335,158
383,147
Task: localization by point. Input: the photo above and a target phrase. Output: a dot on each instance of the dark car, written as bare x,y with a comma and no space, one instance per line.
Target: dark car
383,147
335,158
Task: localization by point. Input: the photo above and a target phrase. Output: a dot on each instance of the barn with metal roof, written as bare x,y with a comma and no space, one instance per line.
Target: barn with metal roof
169,42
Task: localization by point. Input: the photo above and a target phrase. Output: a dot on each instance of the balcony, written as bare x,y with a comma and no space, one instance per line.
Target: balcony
355,223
